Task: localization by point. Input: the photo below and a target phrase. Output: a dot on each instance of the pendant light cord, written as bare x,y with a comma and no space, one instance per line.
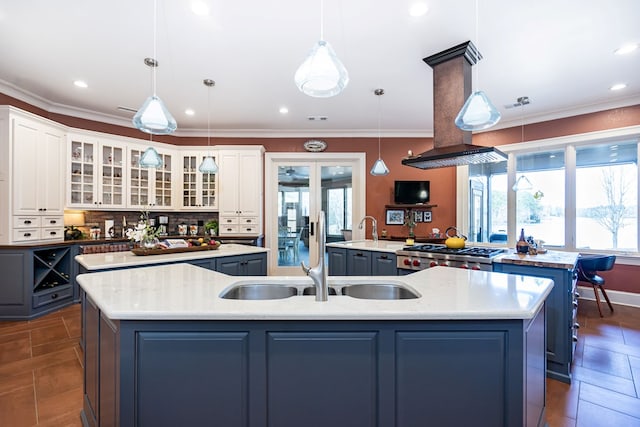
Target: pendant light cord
477,79
209,120
321,20
155,52
379,119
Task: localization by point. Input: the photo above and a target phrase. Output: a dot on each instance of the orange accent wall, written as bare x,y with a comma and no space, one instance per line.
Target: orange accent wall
379,189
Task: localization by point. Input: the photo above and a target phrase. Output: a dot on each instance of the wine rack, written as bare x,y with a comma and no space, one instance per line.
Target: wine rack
51,276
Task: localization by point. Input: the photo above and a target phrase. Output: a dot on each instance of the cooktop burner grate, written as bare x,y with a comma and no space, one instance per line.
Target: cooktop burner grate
471,251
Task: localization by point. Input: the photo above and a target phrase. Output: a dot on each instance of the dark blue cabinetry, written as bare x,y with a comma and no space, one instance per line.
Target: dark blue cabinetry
562,326
357,262
313,373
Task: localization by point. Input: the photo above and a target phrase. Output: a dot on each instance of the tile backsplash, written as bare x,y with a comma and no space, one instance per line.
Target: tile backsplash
98,218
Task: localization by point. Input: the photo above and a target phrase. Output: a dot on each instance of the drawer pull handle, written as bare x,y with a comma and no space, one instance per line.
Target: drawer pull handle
53,221
54,296
53,233
27,234
384,257
27,221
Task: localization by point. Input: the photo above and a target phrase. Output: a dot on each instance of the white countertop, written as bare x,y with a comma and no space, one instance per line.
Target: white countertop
370,245
550,259
187,292
108,260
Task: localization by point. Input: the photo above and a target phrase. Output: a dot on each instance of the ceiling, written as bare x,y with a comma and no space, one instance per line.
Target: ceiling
558,53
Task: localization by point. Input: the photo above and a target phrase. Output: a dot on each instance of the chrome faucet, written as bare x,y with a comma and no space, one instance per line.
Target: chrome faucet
319,273
374,233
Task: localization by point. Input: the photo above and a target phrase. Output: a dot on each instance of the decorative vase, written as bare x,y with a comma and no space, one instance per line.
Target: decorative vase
522,246
149,242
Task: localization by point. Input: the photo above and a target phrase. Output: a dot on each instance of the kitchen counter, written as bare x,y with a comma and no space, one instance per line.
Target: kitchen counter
186,292
111,260
160,341
551,259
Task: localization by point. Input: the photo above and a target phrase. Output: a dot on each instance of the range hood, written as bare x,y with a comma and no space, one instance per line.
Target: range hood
451,88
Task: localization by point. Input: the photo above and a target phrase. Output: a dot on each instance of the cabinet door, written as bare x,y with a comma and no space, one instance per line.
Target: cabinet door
27,160
163,182
344,393
139,181
190,189
255,265
229,185
384,264
82,172
14,285
337,261
231,265
358,263
250,183
51,174
111,171
208,373
91,336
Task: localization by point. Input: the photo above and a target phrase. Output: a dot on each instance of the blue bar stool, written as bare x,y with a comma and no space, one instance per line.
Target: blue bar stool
588,267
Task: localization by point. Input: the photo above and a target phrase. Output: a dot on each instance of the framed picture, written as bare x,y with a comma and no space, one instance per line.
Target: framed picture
417,216
426,216
395,217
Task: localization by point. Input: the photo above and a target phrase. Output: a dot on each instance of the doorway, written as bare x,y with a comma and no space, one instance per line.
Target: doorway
298,186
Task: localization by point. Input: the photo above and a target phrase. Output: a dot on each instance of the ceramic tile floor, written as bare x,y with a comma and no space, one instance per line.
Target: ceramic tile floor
41,372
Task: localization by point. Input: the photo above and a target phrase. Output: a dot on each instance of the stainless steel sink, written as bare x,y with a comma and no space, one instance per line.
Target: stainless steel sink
260,291
383,291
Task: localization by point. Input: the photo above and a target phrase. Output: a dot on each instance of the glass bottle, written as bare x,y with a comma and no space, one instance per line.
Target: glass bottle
522,247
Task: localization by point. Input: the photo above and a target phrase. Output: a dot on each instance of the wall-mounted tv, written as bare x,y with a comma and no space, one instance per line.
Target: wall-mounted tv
411,192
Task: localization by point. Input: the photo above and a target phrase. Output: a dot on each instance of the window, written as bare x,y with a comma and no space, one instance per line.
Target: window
573,194
540,200
607,197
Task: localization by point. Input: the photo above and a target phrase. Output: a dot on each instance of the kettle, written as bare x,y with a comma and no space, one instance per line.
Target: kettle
456,240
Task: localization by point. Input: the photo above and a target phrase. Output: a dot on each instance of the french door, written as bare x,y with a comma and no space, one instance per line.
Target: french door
298,186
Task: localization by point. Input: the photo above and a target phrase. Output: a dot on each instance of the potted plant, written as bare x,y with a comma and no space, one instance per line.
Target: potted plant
211,227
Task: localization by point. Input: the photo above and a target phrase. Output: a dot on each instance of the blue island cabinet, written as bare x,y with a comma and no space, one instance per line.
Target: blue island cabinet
357,262
562,309
317,373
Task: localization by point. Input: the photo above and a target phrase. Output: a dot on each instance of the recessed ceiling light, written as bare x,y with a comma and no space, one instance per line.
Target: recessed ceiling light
284,110
81,83
189,112
618,86
627,48
418,9
200,8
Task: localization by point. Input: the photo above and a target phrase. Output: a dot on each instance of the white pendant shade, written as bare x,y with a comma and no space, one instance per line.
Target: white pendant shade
208,165
477,113
379,168
522,183
150,159
154,117
321,75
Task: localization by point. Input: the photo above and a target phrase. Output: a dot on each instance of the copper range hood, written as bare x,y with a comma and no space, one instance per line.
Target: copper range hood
451,88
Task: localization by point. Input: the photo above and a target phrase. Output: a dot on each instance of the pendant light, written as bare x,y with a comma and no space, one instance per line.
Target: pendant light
154,117
150,157
522,183
478,112
379,168
208,164
322,74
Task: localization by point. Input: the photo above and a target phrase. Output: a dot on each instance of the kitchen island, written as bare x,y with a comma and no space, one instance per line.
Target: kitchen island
163,348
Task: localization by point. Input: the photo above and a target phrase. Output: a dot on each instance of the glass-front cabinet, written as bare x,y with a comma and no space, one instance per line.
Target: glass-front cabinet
198,189
150,187
97,173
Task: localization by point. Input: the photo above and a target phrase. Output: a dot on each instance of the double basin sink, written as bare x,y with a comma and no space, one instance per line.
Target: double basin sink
271,291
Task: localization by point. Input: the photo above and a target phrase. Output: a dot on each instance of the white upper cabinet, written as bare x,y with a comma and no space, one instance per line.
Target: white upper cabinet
31,178
198,190
151,188
240,190
97,172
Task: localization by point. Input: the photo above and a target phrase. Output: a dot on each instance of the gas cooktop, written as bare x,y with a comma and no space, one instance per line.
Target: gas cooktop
442,249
